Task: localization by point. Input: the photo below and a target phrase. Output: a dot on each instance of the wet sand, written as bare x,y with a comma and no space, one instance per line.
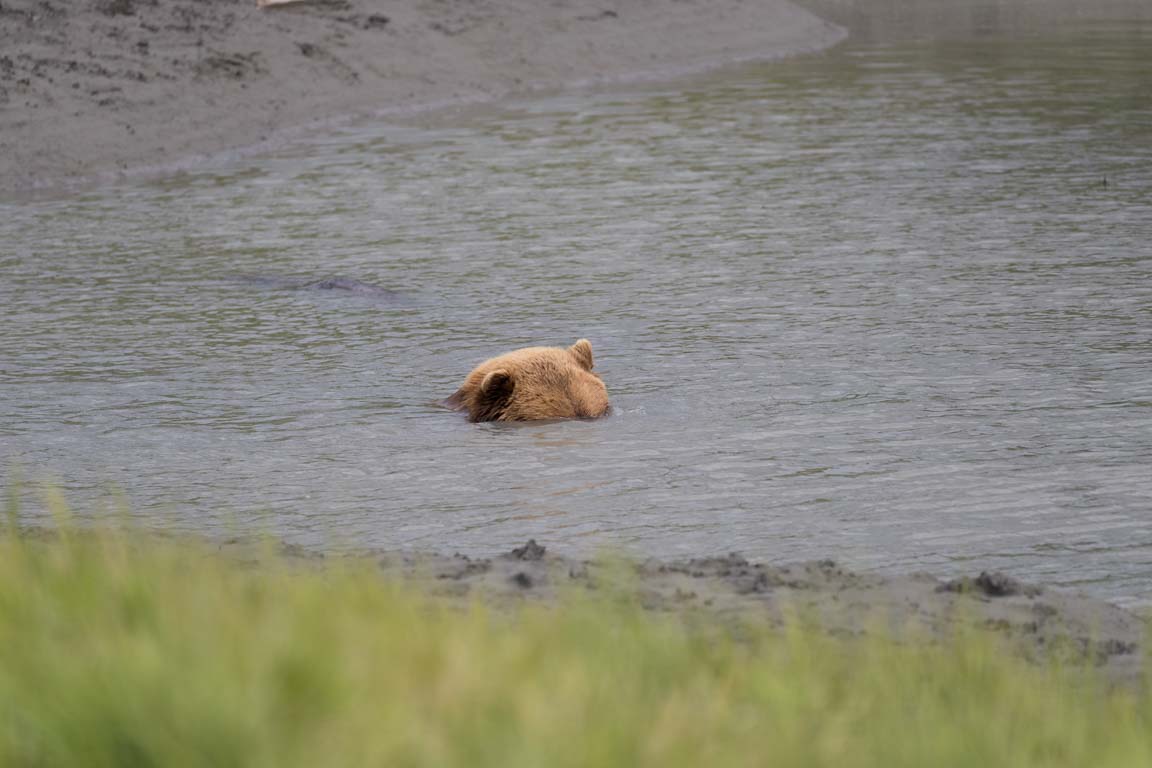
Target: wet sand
98,88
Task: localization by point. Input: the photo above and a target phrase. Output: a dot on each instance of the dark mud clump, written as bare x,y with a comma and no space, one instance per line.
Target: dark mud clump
522,580
530,551
993,584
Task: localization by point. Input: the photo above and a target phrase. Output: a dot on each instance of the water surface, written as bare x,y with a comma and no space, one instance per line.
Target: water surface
890,305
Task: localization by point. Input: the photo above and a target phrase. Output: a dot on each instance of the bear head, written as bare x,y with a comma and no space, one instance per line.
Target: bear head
534,383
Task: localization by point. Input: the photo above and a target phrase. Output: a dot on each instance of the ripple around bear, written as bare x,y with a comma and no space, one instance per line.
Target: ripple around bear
534,383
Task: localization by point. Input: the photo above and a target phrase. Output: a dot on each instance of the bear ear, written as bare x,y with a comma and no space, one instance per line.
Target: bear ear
497,385
492,399
582,351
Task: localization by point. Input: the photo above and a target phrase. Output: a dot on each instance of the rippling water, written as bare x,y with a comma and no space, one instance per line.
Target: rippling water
891,305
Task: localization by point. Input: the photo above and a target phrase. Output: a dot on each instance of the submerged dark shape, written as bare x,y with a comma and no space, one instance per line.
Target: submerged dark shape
337,283
346,284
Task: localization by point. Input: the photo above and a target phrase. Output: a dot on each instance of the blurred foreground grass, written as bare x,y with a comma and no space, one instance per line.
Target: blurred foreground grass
118,649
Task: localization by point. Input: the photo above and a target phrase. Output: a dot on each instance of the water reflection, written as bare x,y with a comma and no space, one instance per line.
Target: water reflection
888,20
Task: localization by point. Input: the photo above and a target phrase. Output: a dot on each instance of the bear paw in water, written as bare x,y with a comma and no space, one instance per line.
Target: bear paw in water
534,383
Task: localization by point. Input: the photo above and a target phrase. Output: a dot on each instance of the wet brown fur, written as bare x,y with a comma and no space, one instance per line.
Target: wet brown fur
534,383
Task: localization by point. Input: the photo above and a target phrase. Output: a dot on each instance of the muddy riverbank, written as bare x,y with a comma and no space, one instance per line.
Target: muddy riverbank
103,87
1035,620
1039,623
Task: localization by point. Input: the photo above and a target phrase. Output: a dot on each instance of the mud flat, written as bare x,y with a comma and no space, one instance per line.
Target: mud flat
1036,621
96,88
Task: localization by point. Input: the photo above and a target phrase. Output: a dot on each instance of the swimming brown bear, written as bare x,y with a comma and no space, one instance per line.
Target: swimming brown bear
534,383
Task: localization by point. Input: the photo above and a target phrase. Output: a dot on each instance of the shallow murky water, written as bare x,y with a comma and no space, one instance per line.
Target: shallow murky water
890,305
